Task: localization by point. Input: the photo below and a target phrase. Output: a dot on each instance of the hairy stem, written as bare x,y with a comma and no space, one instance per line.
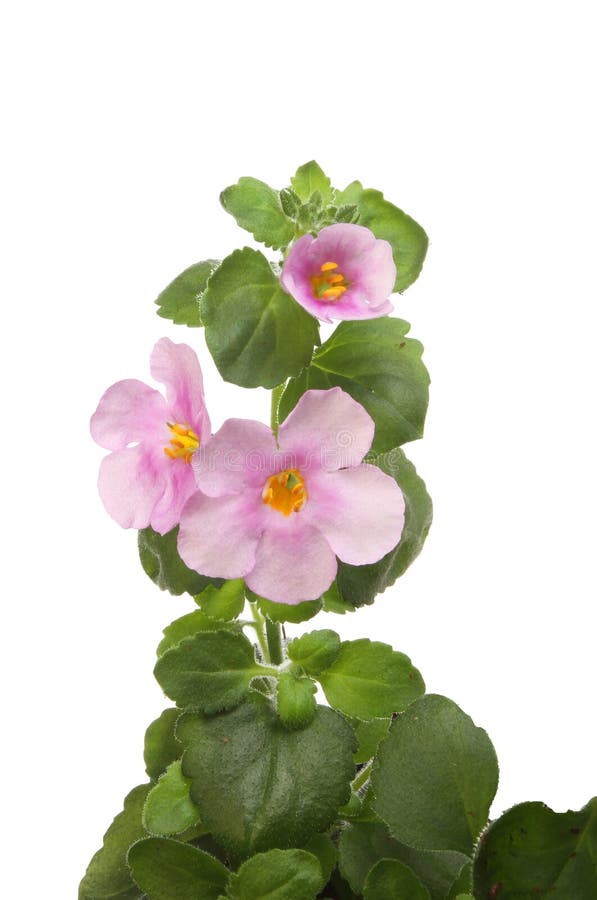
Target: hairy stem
274,642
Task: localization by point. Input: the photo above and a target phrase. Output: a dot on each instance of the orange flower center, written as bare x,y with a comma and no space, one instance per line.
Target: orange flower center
183,443
329,284
285,492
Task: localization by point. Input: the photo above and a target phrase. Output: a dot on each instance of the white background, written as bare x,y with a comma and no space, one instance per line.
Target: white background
123,121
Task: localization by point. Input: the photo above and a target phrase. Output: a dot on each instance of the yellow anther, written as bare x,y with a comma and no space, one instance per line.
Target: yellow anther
277,494
333,293
329,266
183,445
328,284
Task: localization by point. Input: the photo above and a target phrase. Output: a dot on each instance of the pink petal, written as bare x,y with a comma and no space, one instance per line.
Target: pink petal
360,511
130,484
327,429
241,455
179,487
218,536
293,564
176,366
128,412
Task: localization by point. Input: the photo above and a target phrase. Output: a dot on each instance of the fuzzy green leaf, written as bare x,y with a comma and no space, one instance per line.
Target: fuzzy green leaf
260,786
435,777
108,876
278,875
160,560
296,700
369,734
180,300
377,364
187,626
209,671
390,878
284,612
224,603
310,178
257,334
257,208
168,808
532,851
359,585
408,240
170,870
323,847
315,650
161,747
369,679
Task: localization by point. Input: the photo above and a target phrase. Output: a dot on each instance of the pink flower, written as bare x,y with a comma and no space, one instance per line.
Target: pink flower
278,514
343,273
147,478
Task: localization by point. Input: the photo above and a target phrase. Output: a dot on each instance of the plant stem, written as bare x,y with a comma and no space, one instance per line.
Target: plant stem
362,777
276,396
274,642
259,626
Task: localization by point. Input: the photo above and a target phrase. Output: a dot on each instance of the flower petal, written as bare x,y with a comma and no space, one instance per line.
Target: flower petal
130,484
128,411
218,536
293,564
176,366
240,455
180,485
360,511
327,429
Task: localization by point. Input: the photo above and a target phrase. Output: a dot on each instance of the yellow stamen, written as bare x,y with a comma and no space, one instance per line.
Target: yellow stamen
183,445
329,266
333,293
277,493
328,284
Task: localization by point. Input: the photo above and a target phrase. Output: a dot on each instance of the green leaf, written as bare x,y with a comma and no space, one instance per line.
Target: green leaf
376,363
161,747
256,333
409,241
108,876
390,878
369,679
160,560
180,300
291,203
363,844
435,777
209,671
334,602
257,208
311,178
278,875
369,734
296,700
259,785
315,650
284,612
168,808
359,585
170,870
187,626
323,847
225,603
348,212
532,851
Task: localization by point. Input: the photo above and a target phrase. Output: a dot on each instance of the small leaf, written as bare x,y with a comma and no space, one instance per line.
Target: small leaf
377,364
257,208
209,671
359,585
409,241
180,300
278,875
161,746
370,733
363,844
284,612
310,178
348,212
315,650
160,560
334,602
390,878
532,851
296,700
170,870
435,777
224,603
168,808
257,334
188,625
260,786
108,876
291,202
323,847
369,679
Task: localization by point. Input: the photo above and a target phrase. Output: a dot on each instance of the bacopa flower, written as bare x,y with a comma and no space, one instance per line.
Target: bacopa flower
343,273
279,513
147,478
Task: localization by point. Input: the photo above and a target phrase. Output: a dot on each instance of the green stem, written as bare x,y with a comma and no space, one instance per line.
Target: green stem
274,642
362,777
259,626
276,397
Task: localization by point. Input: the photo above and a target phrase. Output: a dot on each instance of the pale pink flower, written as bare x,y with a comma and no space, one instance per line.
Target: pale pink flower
279,513
148,478
343,273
